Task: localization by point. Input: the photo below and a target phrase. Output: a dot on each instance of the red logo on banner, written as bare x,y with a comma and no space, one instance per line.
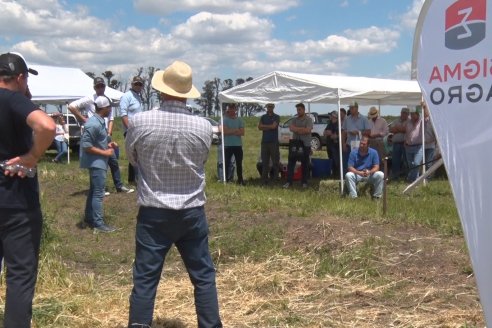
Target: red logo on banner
465,24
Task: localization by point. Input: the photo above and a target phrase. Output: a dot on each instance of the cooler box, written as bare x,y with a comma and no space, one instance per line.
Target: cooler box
321,168
297,172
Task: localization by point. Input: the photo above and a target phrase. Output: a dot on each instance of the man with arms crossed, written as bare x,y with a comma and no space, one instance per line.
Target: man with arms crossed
170,147
25,133
270,151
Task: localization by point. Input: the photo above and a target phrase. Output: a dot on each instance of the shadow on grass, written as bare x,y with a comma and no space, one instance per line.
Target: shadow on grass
164,323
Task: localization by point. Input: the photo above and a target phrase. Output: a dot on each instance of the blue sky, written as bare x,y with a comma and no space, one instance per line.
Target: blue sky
220,38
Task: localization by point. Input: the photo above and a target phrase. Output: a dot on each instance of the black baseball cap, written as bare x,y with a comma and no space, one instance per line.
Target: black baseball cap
137,79
98,81
14,64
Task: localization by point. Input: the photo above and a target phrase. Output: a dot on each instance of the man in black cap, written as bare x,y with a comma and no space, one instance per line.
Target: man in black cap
25,133
131,103
83,109
270,150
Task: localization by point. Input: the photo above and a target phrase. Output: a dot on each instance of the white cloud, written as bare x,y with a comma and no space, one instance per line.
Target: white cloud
215,28
158,7
353,42
402,71
409,19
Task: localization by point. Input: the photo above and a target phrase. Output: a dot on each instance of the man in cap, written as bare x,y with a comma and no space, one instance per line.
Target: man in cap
379,129
332,142
170,147
94,155
270,150
25,133
353,128
84,109
130,104
233,131
398,158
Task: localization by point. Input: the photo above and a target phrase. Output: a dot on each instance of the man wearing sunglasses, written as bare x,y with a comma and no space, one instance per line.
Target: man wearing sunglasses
84,109
131,103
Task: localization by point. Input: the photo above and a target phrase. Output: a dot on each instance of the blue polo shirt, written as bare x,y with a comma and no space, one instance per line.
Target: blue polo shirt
350,124
233,123
359,162
269,136
94,135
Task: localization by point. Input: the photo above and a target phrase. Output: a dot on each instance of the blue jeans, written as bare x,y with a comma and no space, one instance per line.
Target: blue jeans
115,171
20,235
414,159
157,230
377,180
61,148
398,158
94,202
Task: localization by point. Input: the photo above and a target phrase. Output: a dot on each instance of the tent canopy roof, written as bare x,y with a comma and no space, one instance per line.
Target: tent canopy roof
58,85
297,87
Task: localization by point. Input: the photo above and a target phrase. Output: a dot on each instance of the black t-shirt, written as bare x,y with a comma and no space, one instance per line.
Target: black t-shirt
15,140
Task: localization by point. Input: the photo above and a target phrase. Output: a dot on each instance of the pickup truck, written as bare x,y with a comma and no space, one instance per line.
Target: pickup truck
317,138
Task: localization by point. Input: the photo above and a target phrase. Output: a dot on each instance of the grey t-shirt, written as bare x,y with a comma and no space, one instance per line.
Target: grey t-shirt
304,122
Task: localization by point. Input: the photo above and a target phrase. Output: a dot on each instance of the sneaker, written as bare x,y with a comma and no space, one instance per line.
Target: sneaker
241,183
107,193
104,228
304,185
286,186
125,190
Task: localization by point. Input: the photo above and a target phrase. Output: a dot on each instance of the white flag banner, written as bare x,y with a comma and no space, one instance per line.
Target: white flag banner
453,64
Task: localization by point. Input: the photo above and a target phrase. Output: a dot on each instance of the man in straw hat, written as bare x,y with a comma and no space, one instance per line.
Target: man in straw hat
170,147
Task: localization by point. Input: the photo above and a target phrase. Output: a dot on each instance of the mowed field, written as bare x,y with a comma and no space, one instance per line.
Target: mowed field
284,258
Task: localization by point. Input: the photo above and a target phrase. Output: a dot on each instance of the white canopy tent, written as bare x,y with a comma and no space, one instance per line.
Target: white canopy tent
59,85
287,87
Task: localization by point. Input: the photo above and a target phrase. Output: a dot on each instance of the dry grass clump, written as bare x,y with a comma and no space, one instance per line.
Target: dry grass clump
283,291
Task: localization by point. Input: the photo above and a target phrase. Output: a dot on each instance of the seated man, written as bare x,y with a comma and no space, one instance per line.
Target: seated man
363,165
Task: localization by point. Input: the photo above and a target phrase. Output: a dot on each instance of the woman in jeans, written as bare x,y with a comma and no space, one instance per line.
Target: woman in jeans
60,139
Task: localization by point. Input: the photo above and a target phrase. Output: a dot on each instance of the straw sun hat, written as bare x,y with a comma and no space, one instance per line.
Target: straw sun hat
175,80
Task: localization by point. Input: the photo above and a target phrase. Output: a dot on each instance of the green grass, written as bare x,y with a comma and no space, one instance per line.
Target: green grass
247,224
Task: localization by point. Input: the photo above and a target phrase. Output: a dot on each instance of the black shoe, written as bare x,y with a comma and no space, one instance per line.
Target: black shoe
241,183
104,228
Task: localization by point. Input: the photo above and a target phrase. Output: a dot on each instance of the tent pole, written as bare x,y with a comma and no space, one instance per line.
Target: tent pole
221,130
340,147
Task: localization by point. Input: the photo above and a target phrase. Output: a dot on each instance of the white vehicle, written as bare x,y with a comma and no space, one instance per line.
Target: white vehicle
317,138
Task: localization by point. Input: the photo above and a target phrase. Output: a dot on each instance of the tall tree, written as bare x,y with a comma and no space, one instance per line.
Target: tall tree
207,99
108,75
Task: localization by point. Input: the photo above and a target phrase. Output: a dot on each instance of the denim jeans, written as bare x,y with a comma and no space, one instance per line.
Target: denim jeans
305,166
61,148
157,230
377,180
94,202
398,158
20,235
115,171
414,159
237,152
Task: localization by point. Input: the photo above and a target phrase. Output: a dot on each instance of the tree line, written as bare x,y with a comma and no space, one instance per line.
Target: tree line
208,104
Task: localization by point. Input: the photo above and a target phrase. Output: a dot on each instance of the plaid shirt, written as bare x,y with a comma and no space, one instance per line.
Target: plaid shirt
170,147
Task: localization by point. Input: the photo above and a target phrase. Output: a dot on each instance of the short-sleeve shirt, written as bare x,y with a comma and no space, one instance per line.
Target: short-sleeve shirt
333,128
350,124
233,123
130,104
270,136
16,140
305,122
361,162
94,135
87,108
